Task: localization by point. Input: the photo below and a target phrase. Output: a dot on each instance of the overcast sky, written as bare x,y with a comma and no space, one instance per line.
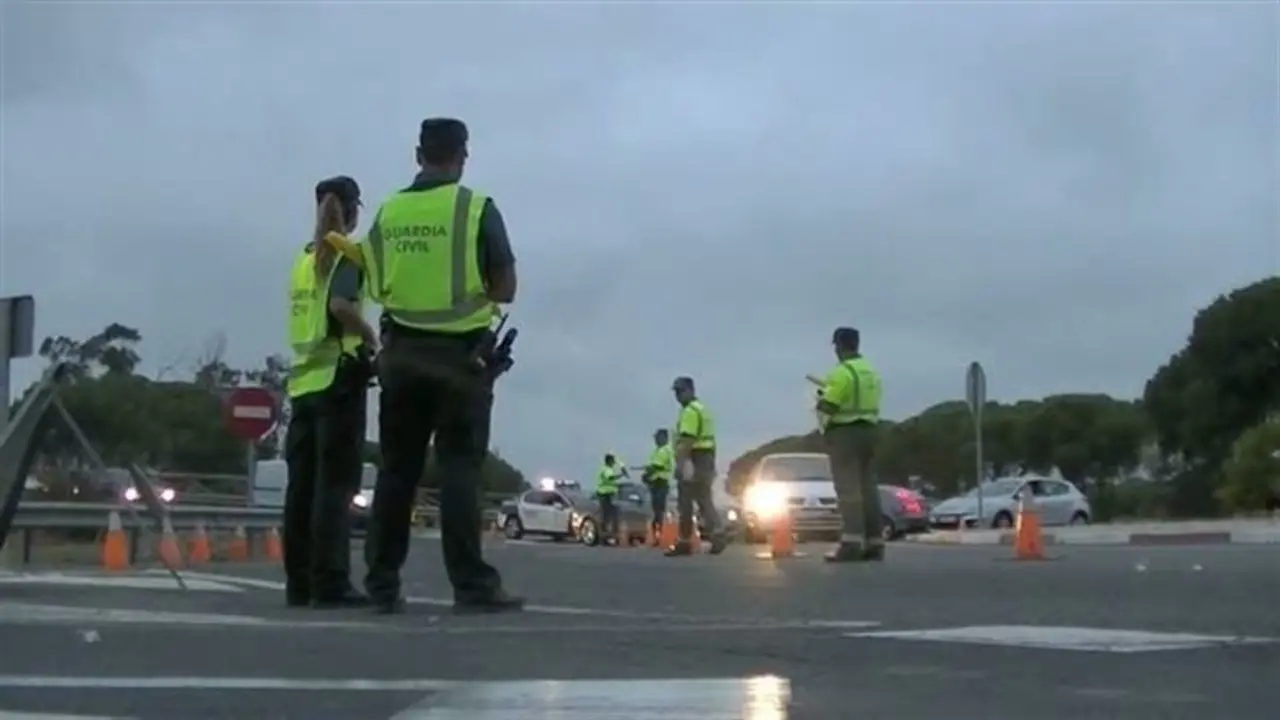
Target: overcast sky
701,189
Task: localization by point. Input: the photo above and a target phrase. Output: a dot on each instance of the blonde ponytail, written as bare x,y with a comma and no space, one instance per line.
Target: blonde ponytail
329,218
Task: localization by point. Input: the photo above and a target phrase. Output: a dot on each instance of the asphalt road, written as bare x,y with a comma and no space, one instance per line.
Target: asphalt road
1105,632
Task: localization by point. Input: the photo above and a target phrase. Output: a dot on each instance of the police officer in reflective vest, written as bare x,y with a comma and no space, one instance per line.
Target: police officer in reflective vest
695,451
657,477
611,472
849,412
438,260
327,385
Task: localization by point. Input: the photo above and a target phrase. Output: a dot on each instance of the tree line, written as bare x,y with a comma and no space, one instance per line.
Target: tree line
1204,438
173,421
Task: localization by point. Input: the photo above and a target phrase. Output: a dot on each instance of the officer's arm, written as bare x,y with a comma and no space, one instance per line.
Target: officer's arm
686,433
344,295
836,391
498,262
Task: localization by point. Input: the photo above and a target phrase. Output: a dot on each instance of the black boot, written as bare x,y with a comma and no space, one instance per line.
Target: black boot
847,552
498,601
680,549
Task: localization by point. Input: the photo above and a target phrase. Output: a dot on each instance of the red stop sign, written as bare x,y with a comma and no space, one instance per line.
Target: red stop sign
251,412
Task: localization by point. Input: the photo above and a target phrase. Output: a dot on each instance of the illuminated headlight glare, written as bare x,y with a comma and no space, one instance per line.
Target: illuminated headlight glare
167,495
131,494
732,515
765,499
362,499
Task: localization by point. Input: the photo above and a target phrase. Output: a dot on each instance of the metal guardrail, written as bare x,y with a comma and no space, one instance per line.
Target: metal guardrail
71,515
33,517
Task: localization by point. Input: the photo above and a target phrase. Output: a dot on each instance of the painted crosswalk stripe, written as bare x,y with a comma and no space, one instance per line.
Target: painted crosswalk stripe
1084,639
755,698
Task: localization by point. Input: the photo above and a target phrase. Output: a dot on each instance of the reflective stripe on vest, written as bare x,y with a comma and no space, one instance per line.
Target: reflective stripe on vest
469,307
315,353
864,402
705,439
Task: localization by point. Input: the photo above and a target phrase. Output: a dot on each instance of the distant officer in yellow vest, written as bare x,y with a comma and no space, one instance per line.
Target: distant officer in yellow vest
607,479
327,385
438,260
695,473
657,477
849,412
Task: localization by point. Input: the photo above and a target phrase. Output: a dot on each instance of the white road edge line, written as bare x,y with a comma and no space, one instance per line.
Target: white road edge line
46,682
545,609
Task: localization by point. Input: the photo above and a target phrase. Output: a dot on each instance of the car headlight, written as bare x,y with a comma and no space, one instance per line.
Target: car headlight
131,494
167,495
765,500
731,515
363,499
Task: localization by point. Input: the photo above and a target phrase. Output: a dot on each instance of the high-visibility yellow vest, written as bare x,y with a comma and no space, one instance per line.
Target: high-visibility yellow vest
315,352
863,404
607,480
695,419
422,262
662,462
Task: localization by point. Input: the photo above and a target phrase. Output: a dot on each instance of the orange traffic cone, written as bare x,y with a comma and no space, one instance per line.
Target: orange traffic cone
198,551
782,543
115,547
238,548
650,537
170,553
274,550
670,534
1028,540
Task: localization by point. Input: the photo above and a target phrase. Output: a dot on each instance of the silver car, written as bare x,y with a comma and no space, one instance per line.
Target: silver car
1057,501
801,486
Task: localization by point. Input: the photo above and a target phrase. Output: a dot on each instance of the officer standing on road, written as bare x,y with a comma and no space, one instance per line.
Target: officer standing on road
327,385
439,262
849,411
657,477
695,472
607,493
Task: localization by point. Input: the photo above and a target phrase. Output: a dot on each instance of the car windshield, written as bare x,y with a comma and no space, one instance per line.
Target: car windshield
796,468
997,487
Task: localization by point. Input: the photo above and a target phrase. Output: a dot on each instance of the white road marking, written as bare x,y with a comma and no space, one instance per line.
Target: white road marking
32,614
5,715
756,698
149,581
26,614
1067,638
46,682
543,609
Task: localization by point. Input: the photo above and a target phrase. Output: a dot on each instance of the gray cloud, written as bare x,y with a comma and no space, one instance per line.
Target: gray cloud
1051,189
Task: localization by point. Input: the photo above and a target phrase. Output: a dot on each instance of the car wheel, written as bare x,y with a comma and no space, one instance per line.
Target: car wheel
1002,521
589,533
512,528
1079,519
888,531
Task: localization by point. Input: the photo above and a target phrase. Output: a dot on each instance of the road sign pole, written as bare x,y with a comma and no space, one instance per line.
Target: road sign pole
975,391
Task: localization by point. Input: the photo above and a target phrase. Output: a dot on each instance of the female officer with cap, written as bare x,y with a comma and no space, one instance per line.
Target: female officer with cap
328,380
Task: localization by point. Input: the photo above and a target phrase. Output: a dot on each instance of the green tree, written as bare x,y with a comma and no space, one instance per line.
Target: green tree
1223,382
1251,473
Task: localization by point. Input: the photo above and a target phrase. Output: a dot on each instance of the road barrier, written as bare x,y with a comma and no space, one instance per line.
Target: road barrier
250,525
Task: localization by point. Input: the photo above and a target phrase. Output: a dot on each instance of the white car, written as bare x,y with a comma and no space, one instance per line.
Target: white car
548,513
798,484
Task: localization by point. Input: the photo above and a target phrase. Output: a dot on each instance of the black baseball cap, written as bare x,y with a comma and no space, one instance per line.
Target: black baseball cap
846,337
684,382
345,187
443,135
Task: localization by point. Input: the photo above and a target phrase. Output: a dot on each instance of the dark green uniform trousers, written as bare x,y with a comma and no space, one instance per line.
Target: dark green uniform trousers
430,392
323,447
850,449
698,491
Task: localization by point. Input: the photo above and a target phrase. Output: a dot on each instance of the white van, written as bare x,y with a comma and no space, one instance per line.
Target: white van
272,476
